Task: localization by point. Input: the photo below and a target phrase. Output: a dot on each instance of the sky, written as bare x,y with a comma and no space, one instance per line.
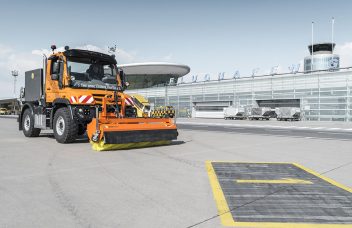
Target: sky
209,36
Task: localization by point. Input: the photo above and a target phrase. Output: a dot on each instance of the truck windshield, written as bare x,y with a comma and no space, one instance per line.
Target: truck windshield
94,75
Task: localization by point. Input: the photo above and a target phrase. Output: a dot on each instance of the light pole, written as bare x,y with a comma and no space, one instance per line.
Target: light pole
254,72
15,75
312,54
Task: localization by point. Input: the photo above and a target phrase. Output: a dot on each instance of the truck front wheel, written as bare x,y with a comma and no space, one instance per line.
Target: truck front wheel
65,128
28,124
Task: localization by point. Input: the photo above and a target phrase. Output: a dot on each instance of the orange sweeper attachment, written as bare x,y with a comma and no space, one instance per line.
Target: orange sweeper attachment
112,130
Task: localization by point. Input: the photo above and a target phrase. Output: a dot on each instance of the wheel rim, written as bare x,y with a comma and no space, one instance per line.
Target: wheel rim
60,125
27,123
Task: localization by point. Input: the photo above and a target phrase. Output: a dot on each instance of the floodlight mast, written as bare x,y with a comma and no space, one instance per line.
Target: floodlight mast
14,74
312,55
332,34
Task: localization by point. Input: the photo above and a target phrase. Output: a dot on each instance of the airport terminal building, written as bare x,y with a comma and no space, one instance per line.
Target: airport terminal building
322,91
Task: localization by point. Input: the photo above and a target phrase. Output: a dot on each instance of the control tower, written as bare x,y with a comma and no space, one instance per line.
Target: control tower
321,58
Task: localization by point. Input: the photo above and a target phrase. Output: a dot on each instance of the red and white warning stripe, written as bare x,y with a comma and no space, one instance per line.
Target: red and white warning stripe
73,99
129,101
86,99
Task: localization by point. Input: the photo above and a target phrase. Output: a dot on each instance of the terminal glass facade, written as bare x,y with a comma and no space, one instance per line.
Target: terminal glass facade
324,96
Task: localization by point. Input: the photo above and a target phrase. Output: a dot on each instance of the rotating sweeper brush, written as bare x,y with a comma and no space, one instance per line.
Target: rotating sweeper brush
112,131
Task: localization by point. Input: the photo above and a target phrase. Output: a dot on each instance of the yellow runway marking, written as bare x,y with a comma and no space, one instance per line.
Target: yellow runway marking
331,181
282,181
225,213
223,208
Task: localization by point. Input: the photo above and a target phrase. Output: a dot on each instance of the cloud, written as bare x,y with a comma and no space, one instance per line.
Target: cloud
123,56
10,59
345,52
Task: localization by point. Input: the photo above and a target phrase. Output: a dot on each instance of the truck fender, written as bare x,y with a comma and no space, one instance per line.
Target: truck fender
24,107
59,103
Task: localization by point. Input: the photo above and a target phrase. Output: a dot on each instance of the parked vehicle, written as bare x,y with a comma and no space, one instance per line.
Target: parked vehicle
234,113
288,114
4,111
260,113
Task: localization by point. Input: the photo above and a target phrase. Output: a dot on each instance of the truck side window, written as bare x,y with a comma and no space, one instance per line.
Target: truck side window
57,71
55,67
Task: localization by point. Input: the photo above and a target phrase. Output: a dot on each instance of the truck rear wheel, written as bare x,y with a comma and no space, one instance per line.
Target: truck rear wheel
28,124
65,128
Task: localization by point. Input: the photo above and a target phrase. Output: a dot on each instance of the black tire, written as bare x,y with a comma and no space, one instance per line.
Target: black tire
28,124
65,128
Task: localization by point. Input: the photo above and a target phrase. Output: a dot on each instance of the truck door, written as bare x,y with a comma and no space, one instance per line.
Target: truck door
53,78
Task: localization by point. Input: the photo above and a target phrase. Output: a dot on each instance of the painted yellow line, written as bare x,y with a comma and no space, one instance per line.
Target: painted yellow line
225,214
281,181
223,208
344,187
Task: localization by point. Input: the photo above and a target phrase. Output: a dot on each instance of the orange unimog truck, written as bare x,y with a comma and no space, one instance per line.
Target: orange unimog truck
80,91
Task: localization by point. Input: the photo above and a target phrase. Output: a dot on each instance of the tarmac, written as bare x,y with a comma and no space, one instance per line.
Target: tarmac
47,184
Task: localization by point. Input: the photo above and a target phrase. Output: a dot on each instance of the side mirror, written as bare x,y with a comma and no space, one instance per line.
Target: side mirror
122,75
125,84
22,92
